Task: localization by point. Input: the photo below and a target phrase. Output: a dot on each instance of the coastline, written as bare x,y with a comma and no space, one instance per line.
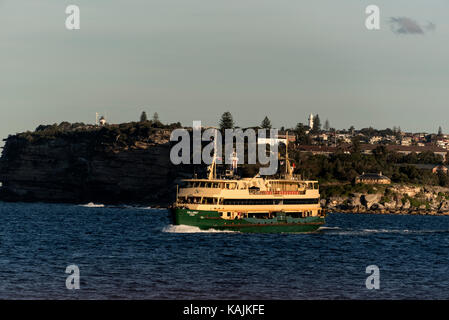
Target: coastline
129,164
395,199
399,212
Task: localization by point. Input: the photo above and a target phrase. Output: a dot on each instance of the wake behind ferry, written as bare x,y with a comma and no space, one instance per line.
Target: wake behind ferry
257,205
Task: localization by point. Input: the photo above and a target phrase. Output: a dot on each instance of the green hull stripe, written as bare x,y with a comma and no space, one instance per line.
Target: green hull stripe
212,220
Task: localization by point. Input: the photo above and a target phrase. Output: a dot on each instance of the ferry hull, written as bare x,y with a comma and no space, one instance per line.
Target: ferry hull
211,220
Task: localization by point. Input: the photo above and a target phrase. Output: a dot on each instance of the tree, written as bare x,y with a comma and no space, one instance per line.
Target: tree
316,124
155,117
356,148
266,123
301,136
326,125
440,131
226,121
351,130
143,117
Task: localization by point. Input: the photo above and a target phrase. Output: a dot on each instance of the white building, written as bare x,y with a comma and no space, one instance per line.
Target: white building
311,121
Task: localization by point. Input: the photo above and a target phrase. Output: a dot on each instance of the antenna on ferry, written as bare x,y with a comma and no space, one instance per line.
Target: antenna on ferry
287,163
235,160
213,165
288,168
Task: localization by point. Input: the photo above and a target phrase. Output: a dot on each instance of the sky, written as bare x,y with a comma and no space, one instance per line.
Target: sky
195,59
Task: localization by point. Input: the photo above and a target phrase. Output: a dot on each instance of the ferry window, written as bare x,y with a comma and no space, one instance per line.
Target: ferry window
301,201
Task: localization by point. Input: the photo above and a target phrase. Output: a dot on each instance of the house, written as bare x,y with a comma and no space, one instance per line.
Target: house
372,178
323,150
291,137
405,150
102,121
375,139
406,141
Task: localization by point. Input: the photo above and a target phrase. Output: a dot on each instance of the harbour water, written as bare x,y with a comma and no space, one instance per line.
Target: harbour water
135,253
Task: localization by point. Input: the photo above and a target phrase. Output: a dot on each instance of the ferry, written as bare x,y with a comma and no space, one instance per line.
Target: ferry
285,204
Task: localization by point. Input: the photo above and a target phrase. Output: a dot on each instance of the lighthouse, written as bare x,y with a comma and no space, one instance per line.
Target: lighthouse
311,121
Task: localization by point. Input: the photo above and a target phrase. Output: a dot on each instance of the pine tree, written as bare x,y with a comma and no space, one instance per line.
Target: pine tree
155,117
226,121
266,123
143,117
300,131
326,125
316,124
440,131
356,144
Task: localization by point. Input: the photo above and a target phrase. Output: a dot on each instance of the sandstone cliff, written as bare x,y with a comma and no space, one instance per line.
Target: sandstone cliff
90,164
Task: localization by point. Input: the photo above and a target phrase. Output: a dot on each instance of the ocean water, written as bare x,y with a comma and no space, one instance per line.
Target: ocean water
135,253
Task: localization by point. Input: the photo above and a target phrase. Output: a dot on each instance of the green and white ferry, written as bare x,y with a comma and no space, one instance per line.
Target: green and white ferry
257,205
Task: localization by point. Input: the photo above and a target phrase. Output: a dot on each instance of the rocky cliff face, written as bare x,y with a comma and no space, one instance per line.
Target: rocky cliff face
94,166
396,199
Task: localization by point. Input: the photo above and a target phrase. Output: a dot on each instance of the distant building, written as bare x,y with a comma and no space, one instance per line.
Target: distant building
406,141
323,150
375,139
291,137
405,150
440,169
102,121
311,121
372,178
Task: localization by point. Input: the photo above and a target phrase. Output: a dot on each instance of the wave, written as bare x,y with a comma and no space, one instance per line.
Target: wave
191,229
126,206
92,205
329,228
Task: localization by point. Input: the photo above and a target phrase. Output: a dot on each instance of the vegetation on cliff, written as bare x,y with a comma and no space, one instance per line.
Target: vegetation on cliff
79,163
344,167
66,157
117,135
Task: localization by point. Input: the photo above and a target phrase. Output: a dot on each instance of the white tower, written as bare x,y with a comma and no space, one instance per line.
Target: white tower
311,121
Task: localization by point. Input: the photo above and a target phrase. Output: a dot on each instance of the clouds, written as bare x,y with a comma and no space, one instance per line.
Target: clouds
405,25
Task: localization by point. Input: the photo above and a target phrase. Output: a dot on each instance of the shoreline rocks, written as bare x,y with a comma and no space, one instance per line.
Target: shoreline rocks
399,199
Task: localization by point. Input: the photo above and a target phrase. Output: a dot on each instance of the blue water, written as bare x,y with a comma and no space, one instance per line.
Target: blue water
126,252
